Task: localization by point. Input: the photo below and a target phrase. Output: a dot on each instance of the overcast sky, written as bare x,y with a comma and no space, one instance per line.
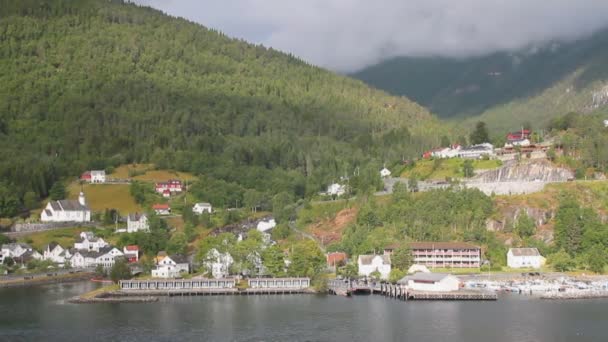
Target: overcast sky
346,35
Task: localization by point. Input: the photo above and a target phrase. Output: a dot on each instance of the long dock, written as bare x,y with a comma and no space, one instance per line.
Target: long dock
401,292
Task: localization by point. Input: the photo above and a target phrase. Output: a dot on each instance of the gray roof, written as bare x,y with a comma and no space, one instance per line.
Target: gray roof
136,216
14,245
179,258
423,277
525,251
367,259
68,205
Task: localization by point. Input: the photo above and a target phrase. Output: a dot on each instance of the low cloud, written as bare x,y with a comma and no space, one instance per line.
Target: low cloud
347,35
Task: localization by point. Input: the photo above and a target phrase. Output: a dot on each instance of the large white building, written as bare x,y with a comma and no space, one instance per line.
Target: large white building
105,257
137,222
369,264
524,258
477,151
430,282
67,211
171,267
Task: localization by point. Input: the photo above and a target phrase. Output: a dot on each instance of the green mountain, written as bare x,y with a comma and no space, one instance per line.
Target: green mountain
504,89
94,84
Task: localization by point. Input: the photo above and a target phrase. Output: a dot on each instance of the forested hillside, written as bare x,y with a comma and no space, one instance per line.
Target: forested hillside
506,88
91,84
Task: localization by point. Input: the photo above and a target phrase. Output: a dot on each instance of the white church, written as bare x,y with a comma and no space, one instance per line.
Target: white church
67,211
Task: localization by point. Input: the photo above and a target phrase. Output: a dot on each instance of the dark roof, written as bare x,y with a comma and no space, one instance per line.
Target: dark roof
68,205
136,216
72,205
367,259
525,252
52,245
442,245
179,258
48,212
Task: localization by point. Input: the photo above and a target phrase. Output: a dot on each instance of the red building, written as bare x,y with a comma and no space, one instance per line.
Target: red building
519,135
131,252
172,185
446,254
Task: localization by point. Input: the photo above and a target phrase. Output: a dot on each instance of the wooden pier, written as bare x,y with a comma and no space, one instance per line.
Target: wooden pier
340,287
211,287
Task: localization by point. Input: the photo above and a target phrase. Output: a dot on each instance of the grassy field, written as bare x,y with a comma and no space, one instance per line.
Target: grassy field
65,237
102,196
147,173
446,168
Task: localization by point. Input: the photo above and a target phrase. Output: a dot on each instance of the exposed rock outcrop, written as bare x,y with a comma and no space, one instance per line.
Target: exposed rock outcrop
534,171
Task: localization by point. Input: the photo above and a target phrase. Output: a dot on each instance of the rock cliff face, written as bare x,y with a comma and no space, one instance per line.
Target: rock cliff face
534,171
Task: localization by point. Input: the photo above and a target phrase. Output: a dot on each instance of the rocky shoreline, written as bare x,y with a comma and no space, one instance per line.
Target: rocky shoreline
576,295
46,280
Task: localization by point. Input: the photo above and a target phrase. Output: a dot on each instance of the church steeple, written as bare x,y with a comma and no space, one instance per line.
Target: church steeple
81,199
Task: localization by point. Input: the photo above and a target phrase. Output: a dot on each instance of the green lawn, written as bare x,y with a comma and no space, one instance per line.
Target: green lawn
65,237
105,196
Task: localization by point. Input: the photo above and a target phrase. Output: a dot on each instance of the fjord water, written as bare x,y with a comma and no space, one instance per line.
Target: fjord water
42,314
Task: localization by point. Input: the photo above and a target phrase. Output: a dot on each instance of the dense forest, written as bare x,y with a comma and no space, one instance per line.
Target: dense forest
93,84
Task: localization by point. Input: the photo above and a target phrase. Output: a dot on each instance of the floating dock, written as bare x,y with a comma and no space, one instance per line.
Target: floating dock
339,287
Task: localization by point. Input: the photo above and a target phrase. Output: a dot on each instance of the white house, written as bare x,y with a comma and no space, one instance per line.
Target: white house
106,256
98,176
94,176
368,264
171,267
385,172
524,258
431,282
162,209
218,263
17,250
82,259
605,123
137,222
336,189
477,151
200,208
266,225
89,242
446,152
67,211
518,142
55,253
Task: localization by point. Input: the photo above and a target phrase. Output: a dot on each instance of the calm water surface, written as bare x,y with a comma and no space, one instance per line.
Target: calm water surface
41,314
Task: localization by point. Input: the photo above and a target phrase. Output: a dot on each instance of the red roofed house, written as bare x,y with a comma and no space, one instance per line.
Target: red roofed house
172,185
166,193
519,135
162,209
131,252
335,259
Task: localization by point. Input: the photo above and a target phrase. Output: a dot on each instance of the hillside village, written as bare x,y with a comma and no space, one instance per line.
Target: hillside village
251,243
